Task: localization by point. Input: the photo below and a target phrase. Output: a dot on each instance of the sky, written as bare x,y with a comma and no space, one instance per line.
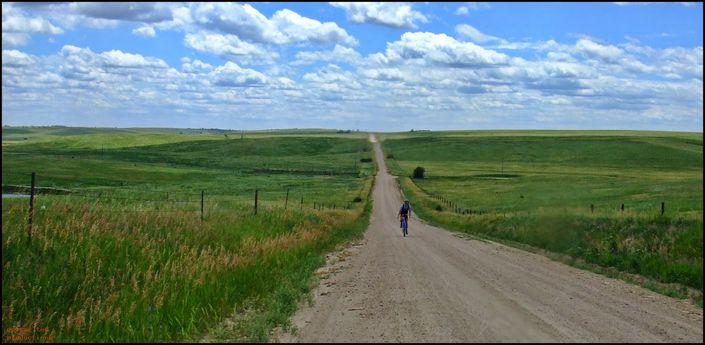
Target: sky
389,66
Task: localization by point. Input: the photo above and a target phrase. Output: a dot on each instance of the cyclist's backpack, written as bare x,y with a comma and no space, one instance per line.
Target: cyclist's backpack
405,208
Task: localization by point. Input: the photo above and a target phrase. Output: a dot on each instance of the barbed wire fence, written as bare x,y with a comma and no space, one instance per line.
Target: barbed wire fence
119,201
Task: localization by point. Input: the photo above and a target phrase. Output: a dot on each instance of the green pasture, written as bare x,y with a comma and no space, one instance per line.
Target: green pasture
563,191
121,251
150,163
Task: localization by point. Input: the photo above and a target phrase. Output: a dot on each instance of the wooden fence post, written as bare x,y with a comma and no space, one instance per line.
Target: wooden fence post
663,206
622,208
202,192
31,210
256,201
286,201
302,204
592,208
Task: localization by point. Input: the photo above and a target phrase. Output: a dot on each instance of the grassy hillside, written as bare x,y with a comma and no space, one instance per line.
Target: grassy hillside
125,255
538,188
309,166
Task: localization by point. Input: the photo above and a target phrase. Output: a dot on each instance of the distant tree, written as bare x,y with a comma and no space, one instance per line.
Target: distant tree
418,172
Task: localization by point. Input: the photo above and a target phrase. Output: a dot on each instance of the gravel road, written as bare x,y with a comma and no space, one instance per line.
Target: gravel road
433,286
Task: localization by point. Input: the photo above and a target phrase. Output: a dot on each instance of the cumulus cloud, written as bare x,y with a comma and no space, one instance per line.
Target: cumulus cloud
473,78
195,66
228,47
17,27
231,74
116,58
608,54
144,31
296,28
284,27
15,58
338,54
393,14
444,50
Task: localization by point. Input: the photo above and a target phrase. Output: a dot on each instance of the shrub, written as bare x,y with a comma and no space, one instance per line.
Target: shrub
357,199
366,160
418,172
390,156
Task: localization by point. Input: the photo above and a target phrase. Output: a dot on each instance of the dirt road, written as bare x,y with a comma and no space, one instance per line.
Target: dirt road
433,286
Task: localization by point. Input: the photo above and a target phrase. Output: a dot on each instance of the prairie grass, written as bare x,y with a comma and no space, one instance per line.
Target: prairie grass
537,188
122,254
90,274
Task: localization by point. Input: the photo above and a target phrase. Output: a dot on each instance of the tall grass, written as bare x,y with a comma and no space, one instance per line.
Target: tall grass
90,274
668,249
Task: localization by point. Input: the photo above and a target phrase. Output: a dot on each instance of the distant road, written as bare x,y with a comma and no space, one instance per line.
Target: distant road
435,287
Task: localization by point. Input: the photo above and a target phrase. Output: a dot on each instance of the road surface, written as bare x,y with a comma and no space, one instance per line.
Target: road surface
433,286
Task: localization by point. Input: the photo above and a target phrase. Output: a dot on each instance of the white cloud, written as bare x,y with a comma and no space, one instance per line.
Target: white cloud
295,28
442,49
475,35
473,79
228,47
284,27
470,6
338,54
232,75
15,58
144,31
116,58
195,66
17,27
609,54
393,14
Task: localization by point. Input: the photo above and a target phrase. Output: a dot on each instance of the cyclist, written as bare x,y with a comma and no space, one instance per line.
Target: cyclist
404,213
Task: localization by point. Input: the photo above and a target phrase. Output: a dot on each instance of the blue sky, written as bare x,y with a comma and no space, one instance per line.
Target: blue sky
370,66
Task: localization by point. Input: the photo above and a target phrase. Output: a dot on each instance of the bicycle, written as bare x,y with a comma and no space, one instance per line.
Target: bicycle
404,225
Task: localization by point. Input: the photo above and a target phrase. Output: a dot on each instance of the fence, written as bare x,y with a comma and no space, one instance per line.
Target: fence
461,209
185,199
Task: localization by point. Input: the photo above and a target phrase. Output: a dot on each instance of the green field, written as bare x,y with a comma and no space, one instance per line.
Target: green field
119,251
150,164
537,187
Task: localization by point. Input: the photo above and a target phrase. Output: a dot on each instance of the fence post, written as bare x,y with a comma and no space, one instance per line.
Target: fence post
256,191
202,205
31,210
663,206
622,208
302,204
592,208
286,201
